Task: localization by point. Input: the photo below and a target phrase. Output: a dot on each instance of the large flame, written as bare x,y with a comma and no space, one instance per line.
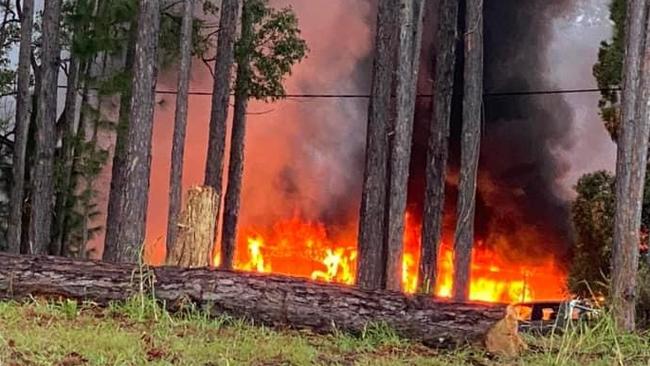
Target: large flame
301,248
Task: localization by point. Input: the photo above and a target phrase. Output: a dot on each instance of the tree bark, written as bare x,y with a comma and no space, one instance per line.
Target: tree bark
221,93
43,178
66,156
408,63
372,254
180,125
470,147
23,111
195,239
438,145
631,166
237,142
270,300
73,246
135,193
113,219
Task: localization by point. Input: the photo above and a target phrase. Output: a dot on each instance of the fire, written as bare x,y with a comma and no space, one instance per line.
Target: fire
308,249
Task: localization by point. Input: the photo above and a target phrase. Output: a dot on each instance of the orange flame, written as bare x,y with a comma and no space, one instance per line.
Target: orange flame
304,249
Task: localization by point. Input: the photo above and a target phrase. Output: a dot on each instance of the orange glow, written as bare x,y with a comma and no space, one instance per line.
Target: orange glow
304,249
302,157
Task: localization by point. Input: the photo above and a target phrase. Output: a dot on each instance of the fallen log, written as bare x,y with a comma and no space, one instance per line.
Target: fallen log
270,300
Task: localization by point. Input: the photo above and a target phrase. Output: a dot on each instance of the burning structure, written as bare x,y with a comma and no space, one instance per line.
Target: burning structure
304,159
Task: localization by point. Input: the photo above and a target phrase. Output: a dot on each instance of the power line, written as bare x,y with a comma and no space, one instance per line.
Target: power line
367,96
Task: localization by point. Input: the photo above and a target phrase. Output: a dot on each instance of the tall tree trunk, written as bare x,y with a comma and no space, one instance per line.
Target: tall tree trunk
43,178
69,247
221,93
372,254
408,63
67,155
135,193
180,126
438,145
470,147
237,141
23,111
113,218
631,165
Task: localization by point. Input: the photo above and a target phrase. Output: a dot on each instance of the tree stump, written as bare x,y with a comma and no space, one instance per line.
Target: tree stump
196,229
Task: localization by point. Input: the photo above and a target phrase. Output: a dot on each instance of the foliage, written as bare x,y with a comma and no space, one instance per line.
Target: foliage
9,36
609,69
276,46
592,213
643,302
593,220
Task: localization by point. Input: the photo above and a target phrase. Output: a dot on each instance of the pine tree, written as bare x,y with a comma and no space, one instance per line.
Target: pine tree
135,193
118,168
372,257
43,175
470,147
407,67
269,46
230,10
23,111
631,164
438,145
180,125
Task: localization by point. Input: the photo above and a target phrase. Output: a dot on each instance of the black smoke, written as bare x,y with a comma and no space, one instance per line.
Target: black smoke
519,210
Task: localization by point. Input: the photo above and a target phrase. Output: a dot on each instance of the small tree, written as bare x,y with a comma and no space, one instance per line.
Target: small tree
608,71
269,46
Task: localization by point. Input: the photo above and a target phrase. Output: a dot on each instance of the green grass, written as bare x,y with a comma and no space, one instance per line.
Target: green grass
141,333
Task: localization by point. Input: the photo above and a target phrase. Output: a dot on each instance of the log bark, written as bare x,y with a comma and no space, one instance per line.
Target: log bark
134,196
408,63
196,229
230,10
237,141
631,166
23,111
180,125
372,254
470,147
40,223
438,145
270,300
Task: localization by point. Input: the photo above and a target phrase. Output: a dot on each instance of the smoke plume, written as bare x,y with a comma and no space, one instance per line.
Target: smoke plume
520,211
305,156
